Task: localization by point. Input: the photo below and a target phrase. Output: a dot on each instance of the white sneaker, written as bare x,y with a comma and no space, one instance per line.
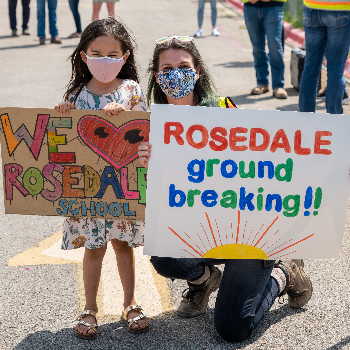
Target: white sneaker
215,32
198,32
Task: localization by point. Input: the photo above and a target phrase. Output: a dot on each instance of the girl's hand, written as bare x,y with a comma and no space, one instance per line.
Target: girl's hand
144,153
64,107
112,109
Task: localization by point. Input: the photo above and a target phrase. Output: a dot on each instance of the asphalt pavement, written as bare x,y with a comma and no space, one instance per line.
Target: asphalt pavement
41,287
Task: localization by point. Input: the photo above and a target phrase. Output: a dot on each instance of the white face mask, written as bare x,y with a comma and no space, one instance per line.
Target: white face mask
105,69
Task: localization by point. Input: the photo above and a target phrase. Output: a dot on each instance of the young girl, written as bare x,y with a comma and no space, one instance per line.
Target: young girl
105,77
248,288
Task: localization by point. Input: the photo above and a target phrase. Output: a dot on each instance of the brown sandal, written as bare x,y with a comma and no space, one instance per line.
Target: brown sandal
89,325
130,321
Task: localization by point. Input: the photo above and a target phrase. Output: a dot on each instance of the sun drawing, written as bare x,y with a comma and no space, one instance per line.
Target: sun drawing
239,245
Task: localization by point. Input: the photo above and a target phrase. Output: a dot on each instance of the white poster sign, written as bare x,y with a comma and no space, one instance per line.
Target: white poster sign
246,184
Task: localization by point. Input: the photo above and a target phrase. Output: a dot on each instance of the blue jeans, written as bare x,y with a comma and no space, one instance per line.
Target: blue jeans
214,12
246,293
73,4
326,33
52,5
262,23
25,14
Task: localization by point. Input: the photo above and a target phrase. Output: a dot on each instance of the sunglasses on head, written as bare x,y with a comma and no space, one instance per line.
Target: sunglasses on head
168,38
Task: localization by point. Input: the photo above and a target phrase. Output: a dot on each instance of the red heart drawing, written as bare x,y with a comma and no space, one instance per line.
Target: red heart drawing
118,146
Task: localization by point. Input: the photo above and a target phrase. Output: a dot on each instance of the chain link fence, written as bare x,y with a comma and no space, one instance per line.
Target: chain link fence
293,13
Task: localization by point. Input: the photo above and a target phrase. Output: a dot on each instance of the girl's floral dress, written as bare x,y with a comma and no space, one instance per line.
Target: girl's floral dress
94,233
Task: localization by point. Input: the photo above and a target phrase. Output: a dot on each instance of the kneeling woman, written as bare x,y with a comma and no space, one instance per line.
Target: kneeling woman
248,287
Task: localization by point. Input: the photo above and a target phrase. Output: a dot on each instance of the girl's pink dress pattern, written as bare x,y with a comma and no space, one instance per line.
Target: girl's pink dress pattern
94,233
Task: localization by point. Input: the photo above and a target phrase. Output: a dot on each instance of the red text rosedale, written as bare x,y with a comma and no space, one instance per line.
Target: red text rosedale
221,138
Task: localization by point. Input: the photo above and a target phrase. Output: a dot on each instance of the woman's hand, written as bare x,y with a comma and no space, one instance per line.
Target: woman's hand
64,107
144,153
112,109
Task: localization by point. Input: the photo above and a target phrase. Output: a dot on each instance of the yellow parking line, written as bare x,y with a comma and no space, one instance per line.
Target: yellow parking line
34,256
163,290
152,291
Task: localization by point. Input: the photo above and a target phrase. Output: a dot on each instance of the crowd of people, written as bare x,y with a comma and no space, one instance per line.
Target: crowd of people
326,34
178,75
52,7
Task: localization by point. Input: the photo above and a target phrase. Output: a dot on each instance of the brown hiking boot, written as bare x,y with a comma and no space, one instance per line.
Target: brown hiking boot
195,298
298,286
280,93
259,89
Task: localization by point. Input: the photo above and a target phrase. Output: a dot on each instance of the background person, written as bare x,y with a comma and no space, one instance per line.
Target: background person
25,16
264,19
327,33
52,6
96,7
73,4
200,15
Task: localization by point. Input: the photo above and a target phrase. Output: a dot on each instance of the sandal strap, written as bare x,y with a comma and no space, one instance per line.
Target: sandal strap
134,307
86,313
89,325
135,319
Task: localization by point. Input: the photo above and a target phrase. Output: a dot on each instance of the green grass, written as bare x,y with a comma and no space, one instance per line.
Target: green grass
293,13
296,22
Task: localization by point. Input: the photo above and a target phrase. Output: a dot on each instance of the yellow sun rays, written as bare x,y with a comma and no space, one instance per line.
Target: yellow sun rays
236,249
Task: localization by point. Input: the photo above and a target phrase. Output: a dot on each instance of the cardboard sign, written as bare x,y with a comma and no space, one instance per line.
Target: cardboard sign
80,164
246,184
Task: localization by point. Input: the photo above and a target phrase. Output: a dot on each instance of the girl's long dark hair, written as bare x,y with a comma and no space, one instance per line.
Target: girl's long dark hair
204,90
80,72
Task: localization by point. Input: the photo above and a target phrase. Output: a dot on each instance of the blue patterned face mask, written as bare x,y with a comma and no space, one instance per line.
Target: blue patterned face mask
177,83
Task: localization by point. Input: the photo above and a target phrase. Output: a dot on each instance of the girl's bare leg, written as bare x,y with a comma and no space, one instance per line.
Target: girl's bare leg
95,11
126,266
92,264
110,8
